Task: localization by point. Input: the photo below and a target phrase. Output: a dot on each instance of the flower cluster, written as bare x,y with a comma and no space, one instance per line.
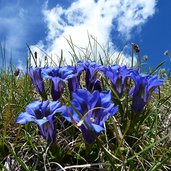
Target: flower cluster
90,103
92,111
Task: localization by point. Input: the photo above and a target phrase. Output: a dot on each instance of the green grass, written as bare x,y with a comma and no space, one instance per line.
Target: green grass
144,146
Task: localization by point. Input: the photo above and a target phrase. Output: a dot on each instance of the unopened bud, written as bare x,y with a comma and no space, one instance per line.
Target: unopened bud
35,55
135,47
16,72
166,53
145,57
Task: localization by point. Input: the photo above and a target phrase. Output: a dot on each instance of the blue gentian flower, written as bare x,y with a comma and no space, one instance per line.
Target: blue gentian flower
58,77
42,113
142,91
37,81
118,77
94,109
91,69
74,80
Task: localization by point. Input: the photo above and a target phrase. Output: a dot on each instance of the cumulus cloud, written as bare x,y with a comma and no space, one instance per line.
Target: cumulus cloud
99,18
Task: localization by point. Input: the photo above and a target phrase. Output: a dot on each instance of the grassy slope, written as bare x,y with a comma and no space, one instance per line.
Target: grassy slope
145,147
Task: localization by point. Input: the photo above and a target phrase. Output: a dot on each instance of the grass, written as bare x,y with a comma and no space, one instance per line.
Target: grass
145,146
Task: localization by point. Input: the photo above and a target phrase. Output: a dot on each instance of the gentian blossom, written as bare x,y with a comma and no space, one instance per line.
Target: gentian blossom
118,77
58,77
42,113
94,109
91,80
142,91
74,80
37,81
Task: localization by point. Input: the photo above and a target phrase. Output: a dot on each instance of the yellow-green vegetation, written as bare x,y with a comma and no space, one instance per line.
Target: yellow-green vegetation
125,143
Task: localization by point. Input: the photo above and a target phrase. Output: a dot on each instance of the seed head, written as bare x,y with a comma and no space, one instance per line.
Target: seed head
136,47
16,72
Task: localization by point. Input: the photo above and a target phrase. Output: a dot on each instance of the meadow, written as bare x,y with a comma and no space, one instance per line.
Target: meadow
91,115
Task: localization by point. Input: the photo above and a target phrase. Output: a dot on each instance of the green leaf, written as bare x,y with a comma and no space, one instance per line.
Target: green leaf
158,66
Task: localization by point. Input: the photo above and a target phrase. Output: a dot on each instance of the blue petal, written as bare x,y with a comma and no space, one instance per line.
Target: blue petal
94,98
97,128
57,87
40,122
43,106
56,107
70,115
87,134
25,117
110,111
37,79
81,95
67,115
50,118
47,131
154,82
105,98
73,84
32,107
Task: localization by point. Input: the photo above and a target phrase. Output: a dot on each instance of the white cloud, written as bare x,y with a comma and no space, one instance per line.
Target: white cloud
98,18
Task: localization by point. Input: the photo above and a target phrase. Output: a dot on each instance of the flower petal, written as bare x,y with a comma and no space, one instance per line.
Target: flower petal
40,122
97,128
25,117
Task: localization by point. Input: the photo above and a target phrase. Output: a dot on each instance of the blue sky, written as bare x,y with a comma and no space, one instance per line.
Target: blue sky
44,24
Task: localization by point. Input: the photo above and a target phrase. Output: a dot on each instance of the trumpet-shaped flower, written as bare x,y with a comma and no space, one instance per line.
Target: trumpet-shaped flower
91,80
142,91
59,76
118,77
37,80
42,113
74,80
92,112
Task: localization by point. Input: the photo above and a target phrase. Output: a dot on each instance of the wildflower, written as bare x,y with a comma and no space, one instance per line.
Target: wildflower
42,113
58,77
118,77
91,80
94,109
74,80
142,91
37,80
